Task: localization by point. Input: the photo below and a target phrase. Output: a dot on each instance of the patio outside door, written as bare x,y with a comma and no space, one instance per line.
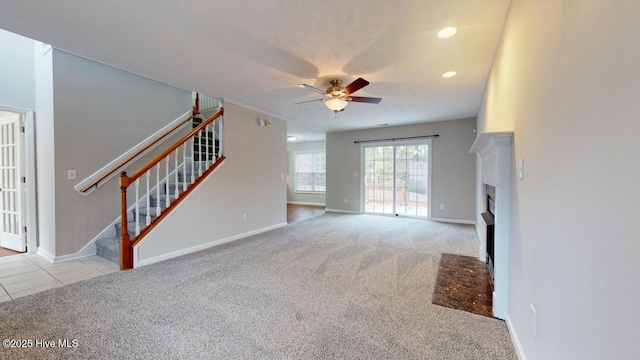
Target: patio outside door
397,179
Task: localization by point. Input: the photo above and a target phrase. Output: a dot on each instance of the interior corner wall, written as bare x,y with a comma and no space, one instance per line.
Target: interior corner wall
453,169
565,81
251,181
100,112
294,197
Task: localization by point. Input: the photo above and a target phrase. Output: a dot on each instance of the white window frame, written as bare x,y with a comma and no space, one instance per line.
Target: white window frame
295,171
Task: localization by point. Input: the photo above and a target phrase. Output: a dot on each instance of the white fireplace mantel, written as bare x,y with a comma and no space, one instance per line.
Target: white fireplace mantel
495,150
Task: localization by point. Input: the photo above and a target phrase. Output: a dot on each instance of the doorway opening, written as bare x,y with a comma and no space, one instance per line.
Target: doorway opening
397,178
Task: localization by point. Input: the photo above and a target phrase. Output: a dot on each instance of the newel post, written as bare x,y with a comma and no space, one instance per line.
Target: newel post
126,250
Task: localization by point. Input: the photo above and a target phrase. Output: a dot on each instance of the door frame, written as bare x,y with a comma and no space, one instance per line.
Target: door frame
30,174
426,141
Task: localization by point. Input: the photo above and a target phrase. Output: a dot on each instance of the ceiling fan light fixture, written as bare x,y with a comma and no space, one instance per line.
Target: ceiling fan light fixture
447,32
335,104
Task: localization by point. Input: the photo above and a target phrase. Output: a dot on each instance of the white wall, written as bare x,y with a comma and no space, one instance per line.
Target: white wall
99,113
17,74
565,80
292,196
251,181
453,168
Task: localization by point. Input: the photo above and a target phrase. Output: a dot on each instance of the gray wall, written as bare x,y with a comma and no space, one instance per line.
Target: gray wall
565,80
99,113
292,196
251,181
17,74
453,168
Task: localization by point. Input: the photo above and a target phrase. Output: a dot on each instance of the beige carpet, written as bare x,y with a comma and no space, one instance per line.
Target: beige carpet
331,287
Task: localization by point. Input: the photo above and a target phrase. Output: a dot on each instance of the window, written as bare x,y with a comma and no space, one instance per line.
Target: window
310,170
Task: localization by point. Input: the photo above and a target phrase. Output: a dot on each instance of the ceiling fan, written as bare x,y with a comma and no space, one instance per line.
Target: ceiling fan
338,97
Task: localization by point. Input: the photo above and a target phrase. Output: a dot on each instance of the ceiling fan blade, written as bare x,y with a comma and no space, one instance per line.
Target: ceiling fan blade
309,87
308,101
358,84
370,100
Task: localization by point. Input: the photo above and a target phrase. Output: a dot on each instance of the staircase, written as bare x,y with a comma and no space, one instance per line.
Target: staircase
109,248
163,183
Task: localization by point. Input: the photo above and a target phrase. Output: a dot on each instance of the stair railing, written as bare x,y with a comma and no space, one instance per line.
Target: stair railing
177,171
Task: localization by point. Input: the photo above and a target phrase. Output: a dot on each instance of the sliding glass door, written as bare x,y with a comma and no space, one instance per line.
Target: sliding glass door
396,178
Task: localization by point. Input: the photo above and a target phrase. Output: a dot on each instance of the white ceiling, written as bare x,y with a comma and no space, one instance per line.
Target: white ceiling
254,53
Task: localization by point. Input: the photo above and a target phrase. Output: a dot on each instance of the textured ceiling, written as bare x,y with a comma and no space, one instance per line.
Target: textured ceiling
254,53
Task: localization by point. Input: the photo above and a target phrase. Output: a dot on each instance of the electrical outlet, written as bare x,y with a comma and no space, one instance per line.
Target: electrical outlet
281,176
346,201
244,217
533,321
441,206
71,174
356,175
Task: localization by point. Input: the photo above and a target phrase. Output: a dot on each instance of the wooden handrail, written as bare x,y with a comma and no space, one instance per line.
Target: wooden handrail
172,148
95,183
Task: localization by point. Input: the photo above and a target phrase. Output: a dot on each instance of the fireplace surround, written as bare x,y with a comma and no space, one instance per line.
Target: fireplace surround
494,153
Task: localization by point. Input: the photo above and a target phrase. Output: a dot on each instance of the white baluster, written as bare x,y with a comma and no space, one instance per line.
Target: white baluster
148,198
158,199
184,166
193,159
176,170
166,181
200,155
206,146
137,208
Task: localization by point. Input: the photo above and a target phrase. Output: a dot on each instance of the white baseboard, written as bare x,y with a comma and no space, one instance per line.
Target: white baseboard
305,203
87,250
342,211
515,340
45,254
454,221
155,259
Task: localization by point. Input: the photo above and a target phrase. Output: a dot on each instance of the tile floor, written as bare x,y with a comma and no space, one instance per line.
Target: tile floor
26,274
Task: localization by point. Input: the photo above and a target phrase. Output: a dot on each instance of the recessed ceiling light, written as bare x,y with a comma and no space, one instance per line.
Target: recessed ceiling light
291,138
449,74
447,32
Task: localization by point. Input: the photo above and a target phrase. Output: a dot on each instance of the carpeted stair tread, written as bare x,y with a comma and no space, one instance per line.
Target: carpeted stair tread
109,249
131,225
154,199
153,212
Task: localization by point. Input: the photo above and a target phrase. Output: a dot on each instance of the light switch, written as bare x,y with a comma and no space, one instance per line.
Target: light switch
71,174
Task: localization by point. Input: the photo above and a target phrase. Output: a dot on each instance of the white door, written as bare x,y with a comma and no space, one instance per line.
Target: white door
12,187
